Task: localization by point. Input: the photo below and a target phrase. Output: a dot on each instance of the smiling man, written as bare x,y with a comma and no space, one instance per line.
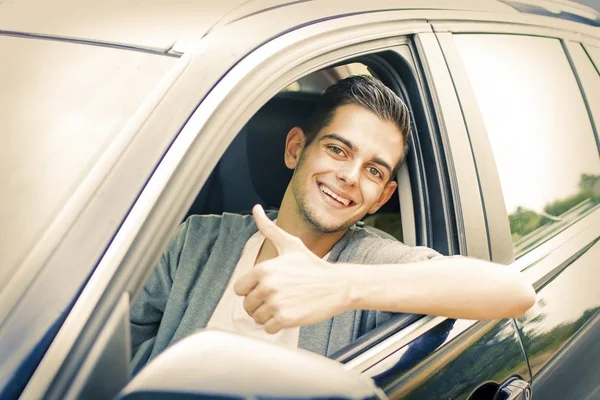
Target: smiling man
299,277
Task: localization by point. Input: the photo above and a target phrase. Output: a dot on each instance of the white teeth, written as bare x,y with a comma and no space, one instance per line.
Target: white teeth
330,193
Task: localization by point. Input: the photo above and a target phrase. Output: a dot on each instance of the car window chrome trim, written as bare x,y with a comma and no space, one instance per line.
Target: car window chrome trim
366,34
542,276
68,39
596,63
540,252
521,25
547,260
575,51
53,234
397,341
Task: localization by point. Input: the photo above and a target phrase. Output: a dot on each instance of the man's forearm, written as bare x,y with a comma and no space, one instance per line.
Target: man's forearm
454,287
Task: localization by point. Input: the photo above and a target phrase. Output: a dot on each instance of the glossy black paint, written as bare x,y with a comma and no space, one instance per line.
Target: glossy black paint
449,362
561,334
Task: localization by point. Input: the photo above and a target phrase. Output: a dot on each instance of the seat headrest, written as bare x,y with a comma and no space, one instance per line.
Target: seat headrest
266,134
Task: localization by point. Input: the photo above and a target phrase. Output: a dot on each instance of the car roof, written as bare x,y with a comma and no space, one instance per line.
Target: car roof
159,24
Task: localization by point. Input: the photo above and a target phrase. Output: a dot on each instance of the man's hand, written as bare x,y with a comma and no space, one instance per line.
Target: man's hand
296,288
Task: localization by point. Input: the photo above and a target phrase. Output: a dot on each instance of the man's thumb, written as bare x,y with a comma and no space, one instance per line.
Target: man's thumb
280,238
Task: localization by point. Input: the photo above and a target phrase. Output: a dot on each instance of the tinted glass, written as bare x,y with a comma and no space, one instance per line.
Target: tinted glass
539,129
61,105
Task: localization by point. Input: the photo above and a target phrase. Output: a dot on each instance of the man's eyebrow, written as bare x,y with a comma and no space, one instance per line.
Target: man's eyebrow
352,147
383,164
337,137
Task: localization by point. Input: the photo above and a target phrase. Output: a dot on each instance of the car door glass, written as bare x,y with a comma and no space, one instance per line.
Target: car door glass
62,105
539,129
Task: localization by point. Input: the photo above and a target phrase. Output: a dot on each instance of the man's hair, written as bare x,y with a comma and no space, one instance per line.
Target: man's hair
364,91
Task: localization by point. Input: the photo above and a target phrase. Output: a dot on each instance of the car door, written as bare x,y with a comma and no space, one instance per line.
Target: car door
531,106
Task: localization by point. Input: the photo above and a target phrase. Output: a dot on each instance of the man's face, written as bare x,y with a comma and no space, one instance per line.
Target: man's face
345,172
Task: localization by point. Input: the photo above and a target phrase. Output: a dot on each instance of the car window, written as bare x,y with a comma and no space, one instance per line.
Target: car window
539,129
62,105
589,78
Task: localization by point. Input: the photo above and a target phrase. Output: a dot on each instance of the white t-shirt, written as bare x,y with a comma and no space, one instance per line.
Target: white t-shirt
230,314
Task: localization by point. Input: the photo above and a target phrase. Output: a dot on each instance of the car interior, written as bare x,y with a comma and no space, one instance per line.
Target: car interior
252,170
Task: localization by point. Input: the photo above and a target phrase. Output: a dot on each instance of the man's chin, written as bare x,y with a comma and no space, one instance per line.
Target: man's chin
327,225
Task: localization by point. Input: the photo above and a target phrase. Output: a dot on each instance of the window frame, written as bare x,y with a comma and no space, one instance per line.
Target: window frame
578,54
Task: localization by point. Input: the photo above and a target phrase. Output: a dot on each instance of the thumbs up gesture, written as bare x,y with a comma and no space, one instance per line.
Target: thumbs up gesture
295,288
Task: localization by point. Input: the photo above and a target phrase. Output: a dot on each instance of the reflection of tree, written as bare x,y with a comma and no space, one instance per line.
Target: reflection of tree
539,341
523,222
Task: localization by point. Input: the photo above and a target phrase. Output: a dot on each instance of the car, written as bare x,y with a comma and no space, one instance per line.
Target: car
119,119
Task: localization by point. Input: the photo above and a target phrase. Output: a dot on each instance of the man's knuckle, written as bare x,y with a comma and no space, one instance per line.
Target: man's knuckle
283,318
274,307
246,303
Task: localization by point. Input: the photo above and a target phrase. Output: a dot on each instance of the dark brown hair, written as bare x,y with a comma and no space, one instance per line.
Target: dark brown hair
366,92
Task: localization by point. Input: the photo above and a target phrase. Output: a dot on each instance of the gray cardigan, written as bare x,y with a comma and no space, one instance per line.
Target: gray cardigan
192,274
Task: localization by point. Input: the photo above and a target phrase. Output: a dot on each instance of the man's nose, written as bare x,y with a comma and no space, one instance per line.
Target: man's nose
349,173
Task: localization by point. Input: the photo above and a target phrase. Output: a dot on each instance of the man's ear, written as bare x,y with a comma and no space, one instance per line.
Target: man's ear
388,191
294,145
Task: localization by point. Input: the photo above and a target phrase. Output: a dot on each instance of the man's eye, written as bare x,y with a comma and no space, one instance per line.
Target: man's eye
335,149
375,172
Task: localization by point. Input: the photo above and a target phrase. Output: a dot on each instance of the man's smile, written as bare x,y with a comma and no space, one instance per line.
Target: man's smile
334,197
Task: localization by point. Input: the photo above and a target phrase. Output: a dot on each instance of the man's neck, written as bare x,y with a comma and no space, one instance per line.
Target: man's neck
293,223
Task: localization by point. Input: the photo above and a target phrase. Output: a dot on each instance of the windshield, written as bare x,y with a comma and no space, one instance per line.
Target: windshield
61,105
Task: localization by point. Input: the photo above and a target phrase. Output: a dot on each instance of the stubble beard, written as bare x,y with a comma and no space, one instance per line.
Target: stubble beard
304,208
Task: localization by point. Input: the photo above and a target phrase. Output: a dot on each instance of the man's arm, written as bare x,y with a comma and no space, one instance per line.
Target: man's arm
298,288
455,287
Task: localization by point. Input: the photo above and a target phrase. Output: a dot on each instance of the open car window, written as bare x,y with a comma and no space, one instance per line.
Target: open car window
252,171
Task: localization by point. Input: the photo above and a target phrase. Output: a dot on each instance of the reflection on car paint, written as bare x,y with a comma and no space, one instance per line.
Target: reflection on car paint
440,365
565,317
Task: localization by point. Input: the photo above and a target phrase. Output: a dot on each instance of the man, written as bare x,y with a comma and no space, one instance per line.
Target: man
300,281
